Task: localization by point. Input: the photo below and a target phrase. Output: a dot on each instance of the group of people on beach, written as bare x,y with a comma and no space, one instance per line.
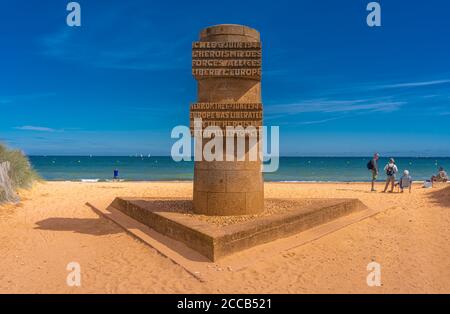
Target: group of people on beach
391,170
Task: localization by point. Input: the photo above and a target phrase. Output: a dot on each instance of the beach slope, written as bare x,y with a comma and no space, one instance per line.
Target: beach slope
53,227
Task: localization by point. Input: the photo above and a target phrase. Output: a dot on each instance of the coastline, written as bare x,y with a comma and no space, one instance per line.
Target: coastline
291,169
190,181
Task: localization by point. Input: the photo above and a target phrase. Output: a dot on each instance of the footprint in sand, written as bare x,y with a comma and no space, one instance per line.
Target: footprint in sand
288,254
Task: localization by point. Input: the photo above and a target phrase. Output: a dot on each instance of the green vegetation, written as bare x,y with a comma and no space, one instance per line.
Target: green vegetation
21,173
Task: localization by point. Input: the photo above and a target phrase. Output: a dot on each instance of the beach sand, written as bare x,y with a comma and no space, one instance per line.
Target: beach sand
53,226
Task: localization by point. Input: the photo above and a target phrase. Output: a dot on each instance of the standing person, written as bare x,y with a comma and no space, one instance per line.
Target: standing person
373,166
390,169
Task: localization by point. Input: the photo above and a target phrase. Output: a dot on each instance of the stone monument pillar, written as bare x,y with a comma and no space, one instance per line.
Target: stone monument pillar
226,62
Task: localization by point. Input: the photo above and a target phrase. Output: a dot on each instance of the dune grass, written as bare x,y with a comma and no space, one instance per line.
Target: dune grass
21,173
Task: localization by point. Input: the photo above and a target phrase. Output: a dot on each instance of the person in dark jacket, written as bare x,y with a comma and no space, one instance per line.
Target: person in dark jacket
373,167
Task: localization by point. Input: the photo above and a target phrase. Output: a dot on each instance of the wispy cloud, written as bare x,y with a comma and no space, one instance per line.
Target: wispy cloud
415,84
35,128
335,106
363,99
319,121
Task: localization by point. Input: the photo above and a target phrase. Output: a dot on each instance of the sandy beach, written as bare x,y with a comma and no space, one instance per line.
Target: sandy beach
52,227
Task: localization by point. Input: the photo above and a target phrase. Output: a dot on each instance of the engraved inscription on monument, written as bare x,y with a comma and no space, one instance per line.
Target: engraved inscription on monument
226,62
226,59
227,114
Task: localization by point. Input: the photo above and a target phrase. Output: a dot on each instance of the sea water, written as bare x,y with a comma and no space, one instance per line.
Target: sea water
292,169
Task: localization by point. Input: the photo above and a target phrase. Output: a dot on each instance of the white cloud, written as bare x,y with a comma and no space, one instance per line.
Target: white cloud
318,121
35,128
415,84
334,106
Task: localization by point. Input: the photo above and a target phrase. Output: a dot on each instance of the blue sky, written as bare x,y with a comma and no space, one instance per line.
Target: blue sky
118,84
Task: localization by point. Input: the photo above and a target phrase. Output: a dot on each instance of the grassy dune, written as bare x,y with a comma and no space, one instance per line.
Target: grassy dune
21,173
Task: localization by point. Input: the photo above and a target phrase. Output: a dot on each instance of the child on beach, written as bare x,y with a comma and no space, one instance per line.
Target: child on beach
405,181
